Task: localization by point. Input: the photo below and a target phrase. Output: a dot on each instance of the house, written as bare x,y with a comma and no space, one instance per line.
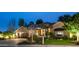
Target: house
60,33
36,30
31,30
59,30
40,31
22,32
58,25
48,27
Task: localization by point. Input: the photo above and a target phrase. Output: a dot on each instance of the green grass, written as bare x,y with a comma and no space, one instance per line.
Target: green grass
58,42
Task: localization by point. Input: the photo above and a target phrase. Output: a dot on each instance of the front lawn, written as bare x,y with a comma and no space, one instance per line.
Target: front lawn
58,42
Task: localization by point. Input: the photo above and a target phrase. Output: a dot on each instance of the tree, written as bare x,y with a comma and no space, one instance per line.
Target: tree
21,22
75,22
31,23
25,24
65,18
11,25
39,21
71,22
0,32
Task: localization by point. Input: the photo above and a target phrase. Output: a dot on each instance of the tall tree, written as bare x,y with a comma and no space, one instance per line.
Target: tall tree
25,24
21,22
39,21
12,25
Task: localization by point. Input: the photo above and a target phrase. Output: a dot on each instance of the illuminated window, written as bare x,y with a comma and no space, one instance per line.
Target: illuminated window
60,33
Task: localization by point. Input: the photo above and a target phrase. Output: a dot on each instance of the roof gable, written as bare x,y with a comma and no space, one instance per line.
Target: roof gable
22,29
58,25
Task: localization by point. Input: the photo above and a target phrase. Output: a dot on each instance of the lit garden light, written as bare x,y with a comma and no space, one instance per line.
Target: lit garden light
71,35
7,37
73,32
1,36
13,36
77,36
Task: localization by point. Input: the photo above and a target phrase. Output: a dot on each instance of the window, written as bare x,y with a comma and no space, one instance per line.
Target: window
60,33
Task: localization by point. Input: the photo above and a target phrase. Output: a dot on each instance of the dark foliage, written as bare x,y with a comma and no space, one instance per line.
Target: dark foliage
21,22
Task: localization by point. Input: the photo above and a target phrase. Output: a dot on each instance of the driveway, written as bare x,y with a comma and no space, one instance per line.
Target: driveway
11,42
6,43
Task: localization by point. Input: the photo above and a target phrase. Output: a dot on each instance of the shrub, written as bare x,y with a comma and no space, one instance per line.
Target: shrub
49,34
37,39
74,37
23,43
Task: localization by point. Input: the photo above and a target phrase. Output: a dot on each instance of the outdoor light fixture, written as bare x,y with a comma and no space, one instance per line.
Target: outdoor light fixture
71,35
13,35
7,37
1,36
77,36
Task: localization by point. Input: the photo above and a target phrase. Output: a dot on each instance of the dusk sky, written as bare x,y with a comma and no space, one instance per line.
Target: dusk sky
29,16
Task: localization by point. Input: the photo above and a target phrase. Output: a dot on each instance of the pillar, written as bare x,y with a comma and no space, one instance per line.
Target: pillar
42,39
